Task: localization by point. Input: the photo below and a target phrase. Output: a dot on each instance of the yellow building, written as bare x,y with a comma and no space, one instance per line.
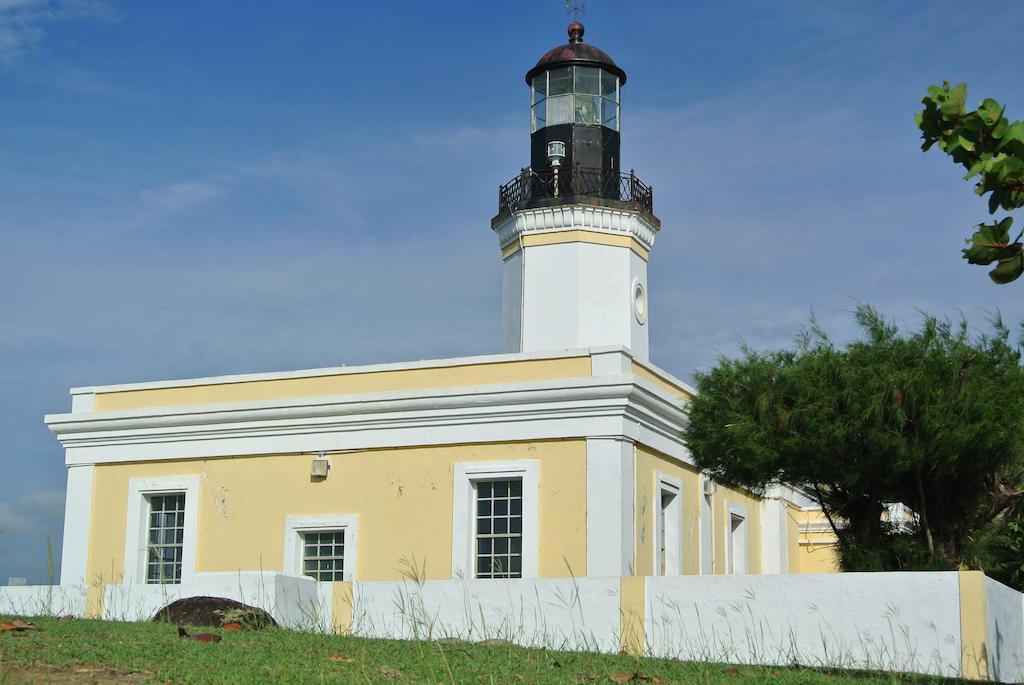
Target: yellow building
561,456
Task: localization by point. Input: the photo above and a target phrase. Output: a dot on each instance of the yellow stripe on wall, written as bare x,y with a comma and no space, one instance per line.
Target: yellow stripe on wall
973,625
347,383
576,236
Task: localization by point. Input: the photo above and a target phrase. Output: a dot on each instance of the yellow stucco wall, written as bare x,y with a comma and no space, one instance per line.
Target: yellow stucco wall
653,376
346,383
403,498
810,551
649,464
725,496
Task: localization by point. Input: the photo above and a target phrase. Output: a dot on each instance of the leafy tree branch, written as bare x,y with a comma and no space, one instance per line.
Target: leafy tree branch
991,149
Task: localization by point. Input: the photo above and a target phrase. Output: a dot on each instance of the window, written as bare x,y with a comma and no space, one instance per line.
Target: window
737,540
494,519
499,528
323,555
165,546
668,549
582,95
160,539
321,547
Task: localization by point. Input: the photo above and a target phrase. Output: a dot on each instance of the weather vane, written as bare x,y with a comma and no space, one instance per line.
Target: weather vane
575,6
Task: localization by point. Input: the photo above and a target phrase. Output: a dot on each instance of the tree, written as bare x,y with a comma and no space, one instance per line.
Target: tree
933,419
991,149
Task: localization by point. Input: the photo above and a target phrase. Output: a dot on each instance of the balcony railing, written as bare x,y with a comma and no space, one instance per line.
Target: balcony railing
575,182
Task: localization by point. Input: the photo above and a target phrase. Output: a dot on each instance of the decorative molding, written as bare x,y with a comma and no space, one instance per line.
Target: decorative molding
624,405
576,217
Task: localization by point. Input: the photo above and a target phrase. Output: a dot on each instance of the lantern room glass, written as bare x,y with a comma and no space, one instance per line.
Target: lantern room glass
575,95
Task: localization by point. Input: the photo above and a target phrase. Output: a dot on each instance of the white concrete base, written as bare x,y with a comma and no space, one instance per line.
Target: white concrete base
905,622
561,613
43,600
877,621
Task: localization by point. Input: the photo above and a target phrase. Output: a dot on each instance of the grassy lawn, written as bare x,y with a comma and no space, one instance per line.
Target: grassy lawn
86,651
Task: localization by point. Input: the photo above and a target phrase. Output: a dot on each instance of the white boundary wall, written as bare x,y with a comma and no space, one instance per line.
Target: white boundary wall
1005,613
932,623
878,621
43,600
294,601
561,613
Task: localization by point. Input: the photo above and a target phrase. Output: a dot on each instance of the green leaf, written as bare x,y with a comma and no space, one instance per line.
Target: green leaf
1008,270
955,101
991,111
991,242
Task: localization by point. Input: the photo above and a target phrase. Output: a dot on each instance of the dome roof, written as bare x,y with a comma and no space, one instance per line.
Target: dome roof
575,52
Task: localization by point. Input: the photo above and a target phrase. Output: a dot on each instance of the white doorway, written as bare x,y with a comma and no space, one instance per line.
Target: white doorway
737,541
668,527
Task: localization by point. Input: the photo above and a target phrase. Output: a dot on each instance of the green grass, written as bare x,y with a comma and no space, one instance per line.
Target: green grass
86,651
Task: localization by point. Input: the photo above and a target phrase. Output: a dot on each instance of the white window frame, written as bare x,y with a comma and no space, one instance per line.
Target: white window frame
740,511
137,530
464,512
673,525
707,525
296,526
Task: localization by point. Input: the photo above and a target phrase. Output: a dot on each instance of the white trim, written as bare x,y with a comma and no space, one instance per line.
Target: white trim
673,525
733,509
616,362
463,564
74,557
625,405
672,380
707,526
82,401
138,524
295,526
346,370
610,501
774,532
572,217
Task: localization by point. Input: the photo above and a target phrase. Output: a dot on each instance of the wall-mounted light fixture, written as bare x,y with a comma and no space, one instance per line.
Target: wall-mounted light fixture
556,153
320,466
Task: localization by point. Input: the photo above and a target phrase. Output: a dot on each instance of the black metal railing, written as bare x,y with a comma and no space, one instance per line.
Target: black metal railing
575,182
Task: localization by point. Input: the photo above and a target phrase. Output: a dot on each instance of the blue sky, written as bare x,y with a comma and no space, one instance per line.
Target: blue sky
199,188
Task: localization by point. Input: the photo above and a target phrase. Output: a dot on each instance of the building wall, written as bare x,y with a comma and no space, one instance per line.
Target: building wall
811,542
650,464
403,498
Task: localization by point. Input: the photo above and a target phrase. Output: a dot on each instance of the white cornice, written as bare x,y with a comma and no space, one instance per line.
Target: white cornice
576,217
622,405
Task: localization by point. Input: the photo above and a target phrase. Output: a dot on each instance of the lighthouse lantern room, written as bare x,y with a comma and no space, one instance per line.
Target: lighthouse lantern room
574,230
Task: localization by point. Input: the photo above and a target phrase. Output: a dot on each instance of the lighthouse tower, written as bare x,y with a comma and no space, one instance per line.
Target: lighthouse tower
575,231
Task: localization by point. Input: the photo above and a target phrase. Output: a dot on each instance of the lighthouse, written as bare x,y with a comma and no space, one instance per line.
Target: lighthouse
575,229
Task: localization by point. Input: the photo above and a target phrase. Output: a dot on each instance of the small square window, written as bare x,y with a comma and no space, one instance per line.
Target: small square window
323,555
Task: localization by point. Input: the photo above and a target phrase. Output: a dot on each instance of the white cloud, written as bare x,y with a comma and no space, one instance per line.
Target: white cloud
23,23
